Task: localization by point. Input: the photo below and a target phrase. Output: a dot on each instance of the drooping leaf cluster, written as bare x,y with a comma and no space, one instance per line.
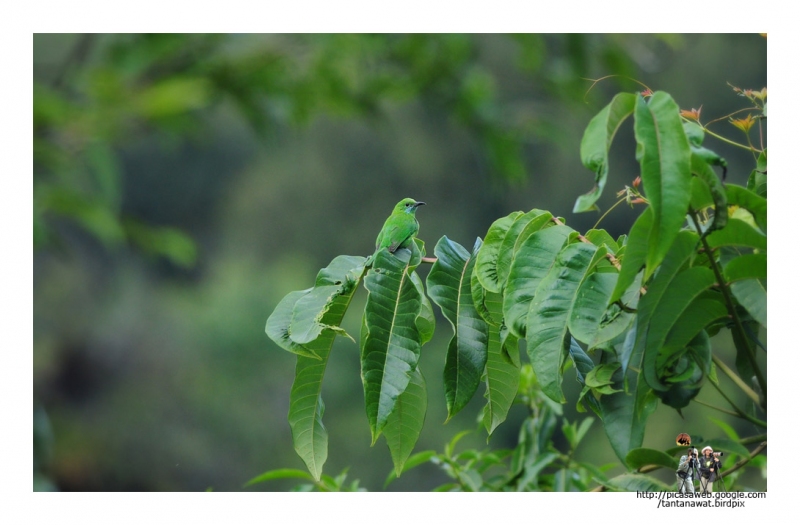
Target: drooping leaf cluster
632,315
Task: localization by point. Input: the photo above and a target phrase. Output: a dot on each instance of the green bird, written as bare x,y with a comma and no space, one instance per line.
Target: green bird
400,228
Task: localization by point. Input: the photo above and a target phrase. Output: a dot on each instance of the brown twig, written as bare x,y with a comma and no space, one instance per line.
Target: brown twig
609,256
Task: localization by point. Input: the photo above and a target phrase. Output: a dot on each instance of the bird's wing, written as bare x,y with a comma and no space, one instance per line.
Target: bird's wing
393,247
393,237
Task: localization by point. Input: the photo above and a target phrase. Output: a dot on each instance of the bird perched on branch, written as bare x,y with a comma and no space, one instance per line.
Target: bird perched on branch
400,228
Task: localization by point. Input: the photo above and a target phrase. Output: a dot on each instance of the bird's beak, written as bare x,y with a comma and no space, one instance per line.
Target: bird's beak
418,204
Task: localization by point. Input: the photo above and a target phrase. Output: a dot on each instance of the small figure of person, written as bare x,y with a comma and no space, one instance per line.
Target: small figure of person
709,468
685,472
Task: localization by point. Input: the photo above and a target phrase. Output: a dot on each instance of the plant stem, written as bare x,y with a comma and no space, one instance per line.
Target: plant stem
742,462
723,410
736,379
731,308
752,439
608,211
741,413
609,256
723,139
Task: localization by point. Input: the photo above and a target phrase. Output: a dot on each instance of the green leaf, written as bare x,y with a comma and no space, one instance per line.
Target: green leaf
737,233
682,290
717,191
635,253
279,474
278,324
486,264
727,445
592,321
729,430
664,155
502,374
530,474
414,461
625,414
755,204
637,483
449,287
752,295
600,375
426,321
305,401
640,457
583,365
340,277
583,429
687,371
597,141
535,258
746,266
479,294
405,422
306,408
681,251
757,182
602,237
702,311
391,347
505,255
308,311
540,222
695,135
549,312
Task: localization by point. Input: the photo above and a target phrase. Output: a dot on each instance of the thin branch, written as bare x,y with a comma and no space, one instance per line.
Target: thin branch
623,199
736,379
741,413
723,410
726,294
744,461
429,260
609,256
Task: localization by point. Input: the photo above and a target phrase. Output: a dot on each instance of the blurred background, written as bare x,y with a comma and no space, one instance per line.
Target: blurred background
183,184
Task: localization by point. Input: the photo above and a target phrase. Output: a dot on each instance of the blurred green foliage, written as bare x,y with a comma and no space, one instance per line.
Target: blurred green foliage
184,183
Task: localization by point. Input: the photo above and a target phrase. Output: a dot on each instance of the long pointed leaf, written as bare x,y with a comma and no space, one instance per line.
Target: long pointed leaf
752,294
625,415
305,401
755,204
682,290
664,155
533,261
506,252
449,286
405,422
278,324
680,252
597,141
426,321
502,374
701,312
635,253
593,322
549,312
738,233
486,265
391,348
